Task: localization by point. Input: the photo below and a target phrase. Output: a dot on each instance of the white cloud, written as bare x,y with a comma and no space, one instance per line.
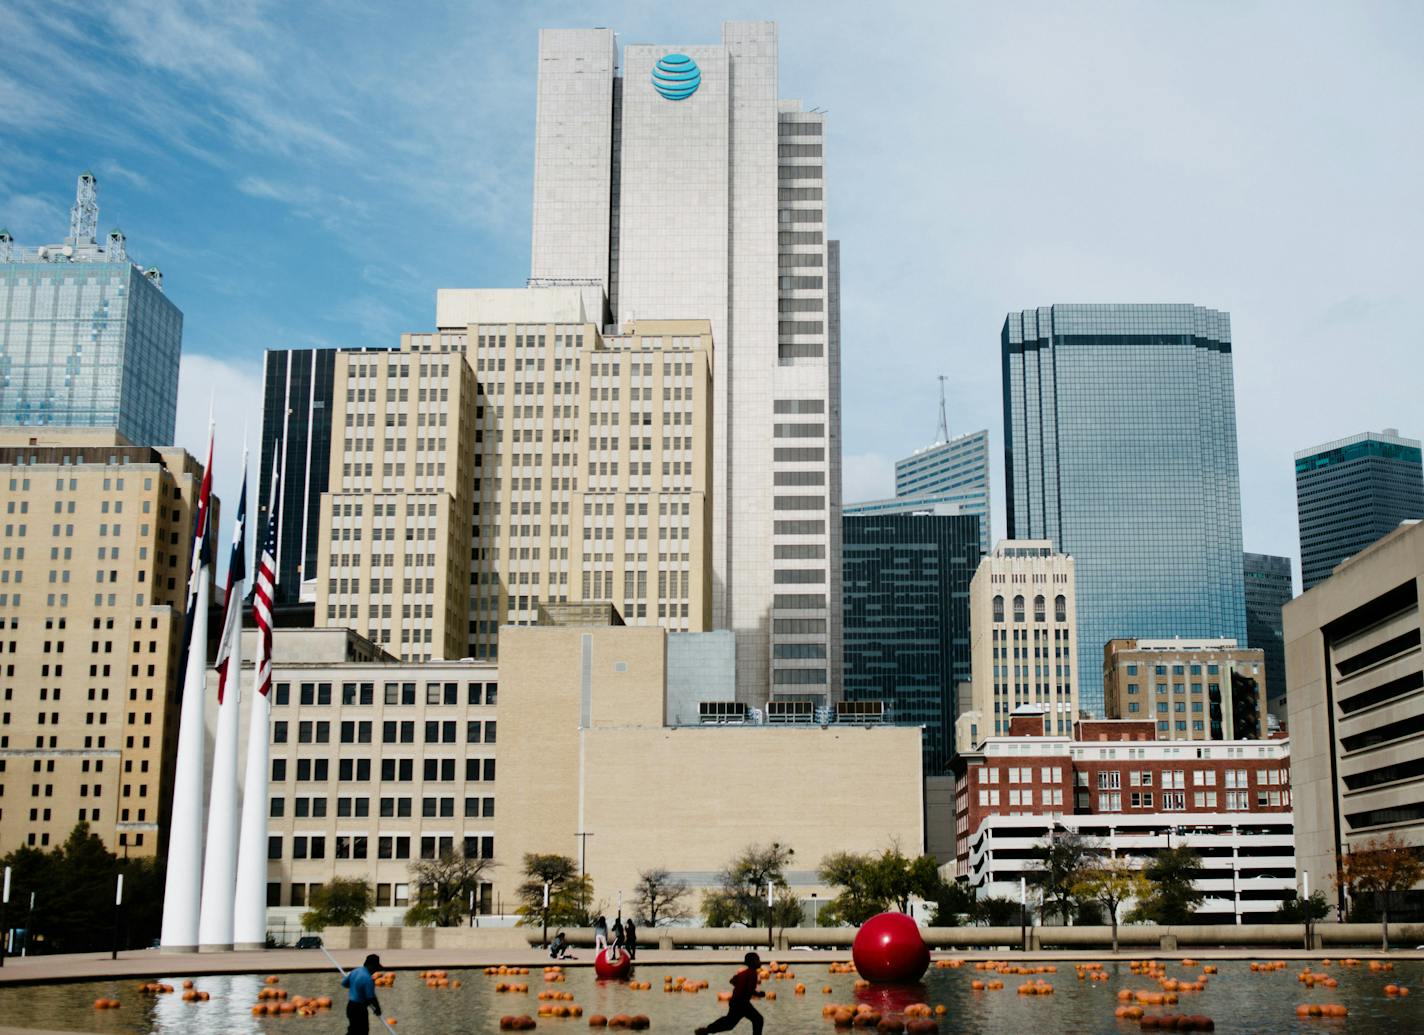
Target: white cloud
232,391
867,476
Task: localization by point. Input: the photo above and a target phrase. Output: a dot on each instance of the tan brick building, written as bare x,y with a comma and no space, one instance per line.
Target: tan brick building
1191,689
95,543
482,471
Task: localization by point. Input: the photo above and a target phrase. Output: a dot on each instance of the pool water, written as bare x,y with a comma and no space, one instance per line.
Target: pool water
1238,1000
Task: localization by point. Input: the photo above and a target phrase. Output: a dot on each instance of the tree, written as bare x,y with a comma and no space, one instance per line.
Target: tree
1296,910
895,879
1172,895
1111,883
342,903
658,898
952,900
570,895
1057,863
1380,867
741,897
443,887
857,901
993,911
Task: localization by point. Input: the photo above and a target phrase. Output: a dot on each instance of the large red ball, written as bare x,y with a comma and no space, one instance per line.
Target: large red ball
616,970
888,948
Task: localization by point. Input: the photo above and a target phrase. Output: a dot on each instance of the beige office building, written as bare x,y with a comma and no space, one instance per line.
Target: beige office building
1192,689
518,456
1356,697
1023,640
95,544
378,763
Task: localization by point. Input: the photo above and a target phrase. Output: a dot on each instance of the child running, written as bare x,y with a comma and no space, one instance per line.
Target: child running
744,990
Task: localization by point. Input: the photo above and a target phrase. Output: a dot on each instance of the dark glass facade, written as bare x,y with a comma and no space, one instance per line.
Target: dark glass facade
1350,494
1269,588
296,417
906,618
1120,447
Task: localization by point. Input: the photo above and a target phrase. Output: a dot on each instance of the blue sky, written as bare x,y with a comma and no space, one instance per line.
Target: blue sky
308,174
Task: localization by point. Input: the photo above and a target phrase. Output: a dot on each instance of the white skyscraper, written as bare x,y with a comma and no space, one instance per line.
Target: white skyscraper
686,188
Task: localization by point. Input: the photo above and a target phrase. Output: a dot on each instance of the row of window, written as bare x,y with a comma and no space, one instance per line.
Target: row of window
441,693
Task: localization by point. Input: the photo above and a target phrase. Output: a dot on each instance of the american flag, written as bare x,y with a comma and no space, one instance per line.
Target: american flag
262,593
229,645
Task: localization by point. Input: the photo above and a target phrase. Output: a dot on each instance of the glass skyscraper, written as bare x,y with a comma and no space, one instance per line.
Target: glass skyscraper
296,431
956,471
1120,447
87,338
1269,588
906,626
1352,492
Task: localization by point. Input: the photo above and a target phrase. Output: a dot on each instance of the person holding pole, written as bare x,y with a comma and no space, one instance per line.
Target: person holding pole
362,996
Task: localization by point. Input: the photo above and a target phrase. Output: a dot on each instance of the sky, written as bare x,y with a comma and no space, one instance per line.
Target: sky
309,174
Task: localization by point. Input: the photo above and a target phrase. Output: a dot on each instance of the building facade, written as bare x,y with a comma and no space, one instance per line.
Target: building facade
88,339
1352,492
706,200
1357,707
298,401
906,601
503,465
95,544
956,470
1120,447
1024,647
1131,795
1191,689
1269,587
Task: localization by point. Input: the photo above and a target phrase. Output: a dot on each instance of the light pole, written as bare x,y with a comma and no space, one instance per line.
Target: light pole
1023,914
118,904
770,917
546,914
815,911
583,837
4,905
1235,863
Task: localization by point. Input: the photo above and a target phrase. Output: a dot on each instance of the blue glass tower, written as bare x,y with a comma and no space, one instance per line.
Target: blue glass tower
1120,447
906,618
87,339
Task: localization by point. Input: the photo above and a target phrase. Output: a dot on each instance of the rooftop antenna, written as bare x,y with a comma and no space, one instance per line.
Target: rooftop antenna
84,216
943,420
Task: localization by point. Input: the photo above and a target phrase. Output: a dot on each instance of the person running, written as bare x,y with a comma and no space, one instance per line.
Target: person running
600,934
630,939
363,995
744,990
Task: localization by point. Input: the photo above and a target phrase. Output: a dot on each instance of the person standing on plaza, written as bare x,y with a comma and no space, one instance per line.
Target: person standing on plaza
362,986
744,990
600,934
630,939
617,938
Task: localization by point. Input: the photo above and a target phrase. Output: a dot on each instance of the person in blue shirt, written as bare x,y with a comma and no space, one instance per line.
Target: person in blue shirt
363,995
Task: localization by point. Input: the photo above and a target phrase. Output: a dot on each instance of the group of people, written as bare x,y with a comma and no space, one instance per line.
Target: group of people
362,986
624,940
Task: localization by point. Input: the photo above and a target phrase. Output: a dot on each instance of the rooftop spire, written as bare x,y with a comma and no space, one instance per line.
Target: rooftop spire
943,420
84,216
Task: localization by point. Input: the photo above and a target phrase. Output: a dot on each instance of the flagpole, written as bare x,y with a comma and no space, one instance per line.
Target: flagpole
220,860
250,907
183,886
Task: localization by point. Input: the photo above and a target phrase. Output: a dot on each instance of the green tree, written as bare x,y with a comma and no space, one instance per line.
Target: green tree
993,911
857,902
895,879
344,902
741,895
953,900
1380,867
442,889
1173,896
570,895
1296,910
1056,865
658,898
1111,883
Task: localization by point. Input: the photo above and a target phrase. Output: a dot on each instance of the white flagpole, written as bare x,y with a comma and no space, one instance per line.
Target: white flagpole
220,861
183,888
250,909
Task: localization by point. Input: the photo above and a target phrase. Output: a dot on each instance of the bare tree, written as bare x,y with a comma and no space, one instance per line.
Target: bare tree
658,898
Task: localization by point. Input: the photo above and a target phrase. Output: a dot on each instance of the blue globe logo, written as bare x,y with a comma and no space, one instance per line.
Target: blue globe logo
676,77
